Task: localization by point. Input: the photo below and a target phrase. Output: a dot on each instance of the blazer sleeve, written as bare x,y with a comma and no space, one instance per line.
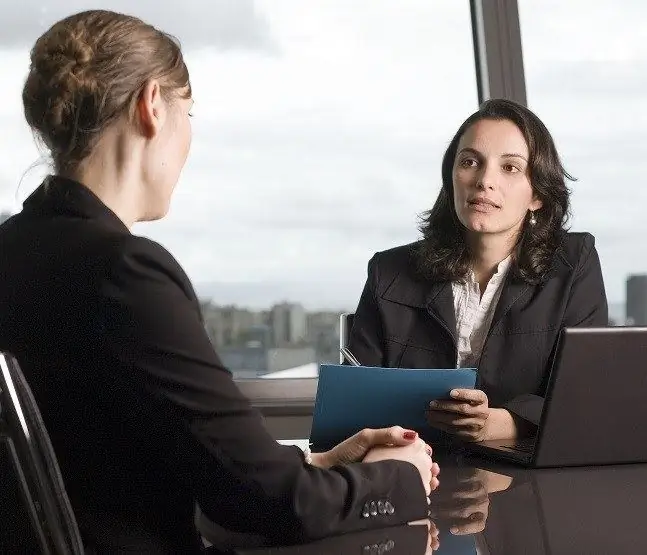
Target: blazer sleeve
366,339
587,307
212,439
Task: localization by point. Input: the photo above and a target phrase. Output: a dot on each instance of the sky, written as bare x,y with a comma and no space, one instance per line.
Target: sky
319,127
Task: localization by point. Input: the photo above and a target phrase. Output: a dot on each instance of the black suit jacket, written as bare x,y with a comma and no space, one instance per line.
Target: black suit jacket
403,321
143,417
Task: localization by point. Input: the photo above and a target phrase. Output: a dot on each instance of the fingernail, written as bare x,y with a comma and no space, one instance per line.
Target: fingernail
410,435
433,404
453,393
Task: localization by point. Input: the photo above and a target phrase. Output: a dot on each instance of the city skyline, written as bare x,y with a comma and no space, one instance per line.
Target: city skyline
617,310
247,297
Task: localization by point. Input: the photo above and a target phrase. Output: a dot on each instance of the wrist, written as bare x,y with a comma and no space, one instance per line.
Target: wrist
501,425
320,460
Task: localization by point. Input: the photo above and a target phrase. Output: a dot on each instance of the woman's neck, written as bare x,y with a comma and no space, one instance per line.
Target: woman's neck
486,252
111,173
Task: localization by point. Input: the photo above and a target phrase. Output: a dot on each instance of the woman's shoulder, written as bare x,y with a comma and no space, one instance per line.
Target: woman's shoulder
128,246
575,246
129,255
397,257
396,266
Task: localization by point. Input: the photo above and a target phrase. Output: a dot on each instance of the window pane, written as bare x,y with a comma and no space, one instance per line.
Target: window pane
585,73
318,133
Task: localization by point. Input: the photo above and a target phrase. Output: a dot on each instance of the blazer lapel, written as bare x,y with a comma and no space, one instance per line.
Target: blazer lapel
513,290
436,298
440,305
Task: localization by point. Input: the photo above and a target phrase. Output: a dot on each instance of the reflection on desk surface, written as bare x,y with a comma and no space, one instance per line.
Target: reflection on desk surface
482,508
569,511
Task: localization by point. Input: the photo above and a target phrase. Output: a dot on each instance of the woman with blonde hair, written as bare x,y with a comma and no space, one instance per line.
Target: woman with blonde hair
144,418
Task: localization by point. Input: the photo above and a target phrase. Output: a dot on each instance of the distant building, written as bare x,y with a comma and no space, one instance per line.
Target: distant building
282,339
282,358
258,335
637,300
254,361
323,334
244,362
288,323
230,326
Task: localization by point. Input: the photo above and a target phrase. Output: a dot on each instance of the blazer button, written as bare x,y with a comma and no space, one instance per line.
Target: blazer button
381,508
390,509
373,508
366,511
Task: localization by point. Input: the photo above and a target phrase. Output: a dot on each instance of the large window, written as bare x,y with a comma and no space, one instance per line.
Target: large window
585,68
318,134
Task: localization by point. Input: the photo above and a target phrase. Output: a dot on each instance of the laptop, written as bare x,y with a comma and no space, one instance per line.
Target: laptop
595,410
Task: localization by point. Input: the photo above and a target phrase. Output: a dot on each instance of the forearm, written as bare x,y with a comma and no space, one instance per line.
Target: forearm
501,425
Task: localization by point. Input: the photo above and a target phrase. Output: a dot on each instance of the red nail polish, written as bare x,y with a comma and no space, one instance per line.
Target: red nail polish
410,435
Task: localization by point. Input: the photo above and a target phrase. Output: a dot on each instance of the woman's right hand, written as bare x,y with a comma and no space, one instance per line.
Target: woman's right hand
417,453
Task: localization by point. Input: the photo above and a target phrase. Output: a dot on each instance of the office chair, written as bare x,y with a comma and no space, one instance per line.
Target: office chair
345,325
28,448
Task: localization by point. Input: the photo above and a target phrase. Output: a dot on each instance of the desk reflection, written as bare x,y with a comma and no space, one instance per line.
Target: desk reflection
459,504
489,509
594,510
397,540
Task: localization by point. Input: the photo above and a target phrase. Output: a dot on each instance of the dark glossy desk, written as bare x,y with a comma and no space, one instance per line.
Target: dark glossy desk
505,510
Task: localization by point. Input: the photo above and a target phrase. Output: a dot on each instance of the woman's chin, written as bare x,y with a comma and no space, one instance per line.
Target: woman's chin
480,225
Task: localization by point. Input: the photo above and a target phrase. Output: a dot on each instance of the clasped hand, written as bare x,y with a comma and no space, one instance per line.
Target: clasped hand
395,443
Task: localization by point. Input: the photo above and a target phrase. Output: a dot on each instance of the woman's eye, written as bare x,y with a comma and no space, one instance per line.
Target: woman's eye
468,163
510,168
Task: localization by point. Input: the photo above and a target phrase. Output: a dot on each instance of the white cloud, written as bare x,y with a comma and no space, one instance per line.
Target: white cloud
585,67
223,24
314,152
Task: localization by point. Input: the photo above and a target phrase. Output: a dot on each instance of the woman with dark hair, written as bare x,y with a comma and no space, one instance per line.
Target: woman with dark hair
492,281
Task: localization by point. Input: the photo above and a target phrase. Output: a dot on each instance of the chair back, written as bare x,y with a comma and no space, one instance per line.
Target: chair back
26,453
345,325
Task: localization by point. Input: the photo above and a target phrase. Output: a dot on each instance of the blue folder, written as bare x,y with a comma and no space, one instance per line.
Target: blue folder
350,398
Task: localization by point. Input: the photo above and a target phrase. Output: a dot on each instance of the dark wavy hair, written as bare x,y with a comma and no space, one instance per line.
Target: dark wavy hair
443,254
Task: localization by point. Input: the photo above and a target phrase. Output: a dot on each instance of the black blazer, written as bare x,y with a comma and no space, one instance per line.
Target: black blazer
403,321
143,417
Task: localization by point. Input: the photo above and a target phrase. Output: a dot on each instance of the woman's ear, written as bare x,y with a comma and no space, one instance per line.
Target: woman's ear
150,111
536,204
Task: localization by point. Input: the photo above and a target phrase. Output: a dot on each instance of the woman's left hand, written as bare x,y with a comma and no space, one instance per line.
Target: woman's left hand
356,447
464,415
468,415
